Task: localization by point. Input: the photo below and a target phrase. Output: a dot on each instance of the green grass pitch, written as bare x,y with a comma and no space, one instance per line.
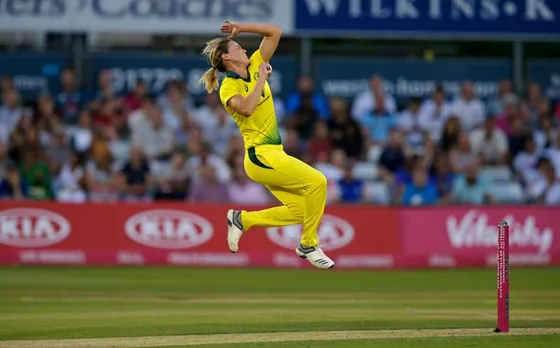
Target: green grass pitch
234,308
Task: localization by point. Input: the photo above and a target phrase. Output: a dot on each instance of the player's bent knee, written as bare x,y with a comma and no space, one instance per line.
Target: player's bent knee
319,182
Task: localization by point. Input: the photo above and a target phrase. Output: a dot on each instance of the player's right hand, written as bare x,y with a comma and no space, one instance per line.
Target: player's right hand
265,70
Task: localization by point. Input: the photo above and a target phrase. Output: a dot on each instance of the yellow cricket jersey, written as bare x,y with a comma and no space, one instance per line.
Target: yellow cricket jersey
261,127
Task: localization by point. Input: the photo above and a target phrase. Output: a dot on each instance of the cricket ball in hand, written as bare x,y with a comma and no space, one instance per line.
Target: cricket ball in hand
269,68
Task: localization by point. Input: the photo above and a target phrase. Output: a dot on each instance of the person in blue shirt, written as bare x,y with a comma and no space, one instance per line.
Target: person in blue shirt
12,186
351,189
472,187
420,191
378,124
305,90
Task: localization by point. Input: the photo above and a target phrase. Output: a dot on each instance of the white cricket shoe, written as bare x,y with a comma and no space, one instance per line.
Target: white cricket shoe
315,255
235,229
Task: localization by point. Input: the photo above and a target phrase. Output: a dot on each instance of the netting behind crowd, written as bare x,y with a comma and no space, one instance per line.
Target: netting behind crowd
72,146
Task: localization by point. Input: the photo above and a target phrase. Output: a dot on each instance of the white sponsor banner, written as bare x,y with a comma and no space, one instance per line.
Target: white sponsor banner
141,16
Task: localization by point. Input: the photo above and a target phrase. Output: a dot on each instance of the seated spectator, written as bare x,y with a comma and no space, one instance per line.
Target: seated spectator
517,138
155,138
531,104
409,123
511,113
105,88
496,105
377,124
471,187
369,99
69,100
59,150
546,188
37,176
450,135
204,155
489,143
304,118
134,100
70,183
175,110
208,189
442,176
217,126
420,191
462,154
470,110
182,133
172,181
135,179
351,190
333,170
10,110
173,89
45,117
404,176
320,143
345,131
434,113
292,144
306,92
553,153
102,181
6,84
544,112
544,135
81,137
524,162
236,149
12,187
392,157
244,191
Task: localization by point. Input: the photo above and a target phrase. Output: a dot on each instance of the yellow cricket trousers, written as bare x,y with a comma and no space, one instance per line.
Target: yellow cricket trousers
301,188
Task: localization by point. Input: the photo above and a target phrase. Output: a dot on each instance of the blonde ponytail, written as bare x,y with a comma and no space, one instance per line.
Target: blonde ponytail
210,80
213,52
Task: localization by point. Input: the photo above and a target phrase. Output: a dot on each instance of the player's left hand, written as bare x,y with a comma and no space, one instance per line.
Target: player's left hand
230,27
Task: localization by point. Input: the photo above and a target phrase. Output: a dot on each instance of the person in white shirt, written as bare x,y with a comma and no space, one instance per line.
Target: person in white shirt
524,162
433,114
333,170
490,143
10,111
367,100
205,155
155,138
546,186
409,123
242,190
470,110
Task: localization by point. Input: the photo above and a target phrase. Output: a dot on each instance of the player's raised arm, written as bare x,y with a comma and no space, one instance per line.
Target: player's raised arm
271,33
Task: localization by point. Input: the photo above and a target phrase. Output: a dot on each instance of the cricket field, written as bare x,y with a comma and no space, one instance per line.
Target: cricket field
63,307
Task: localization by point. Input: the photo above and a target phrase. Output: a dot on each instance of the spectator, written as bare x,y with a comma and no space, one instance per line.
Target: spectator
208,189
45,116
409,123
496,105
12,187
69,185
553,153
352,190
10,111
471,187
205,155
155,138
102,181
292,144
392,157
333,170
134,100
450,135
462,154
345,131
546,188
532,105
176,108
544,112
81,137
244,191
517,138
489,143
59,151
174,86
181,138
69,99
470,110
236,149
217,126
434,113
37,176
135,179
511,115
367,100
6,84
320,143
173,180
315,101
4,160
420,191
377,124
105,90
525,161
442,177
404,176
304,118
544,135
279,108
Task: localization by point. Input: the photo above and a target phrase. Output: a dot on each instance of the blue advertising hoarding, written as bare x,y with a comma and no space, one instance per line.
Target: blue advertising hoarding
405,78
34,72
547,74
468,18
158,69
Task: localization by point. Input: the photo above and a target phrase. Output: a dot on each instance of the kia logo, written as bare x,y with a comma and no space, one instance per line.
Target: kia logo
32,228
168,229
333,231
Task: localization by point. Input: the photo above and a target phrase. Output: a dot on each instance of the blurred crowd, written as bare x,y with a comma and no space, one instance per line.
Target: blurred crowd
100,146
